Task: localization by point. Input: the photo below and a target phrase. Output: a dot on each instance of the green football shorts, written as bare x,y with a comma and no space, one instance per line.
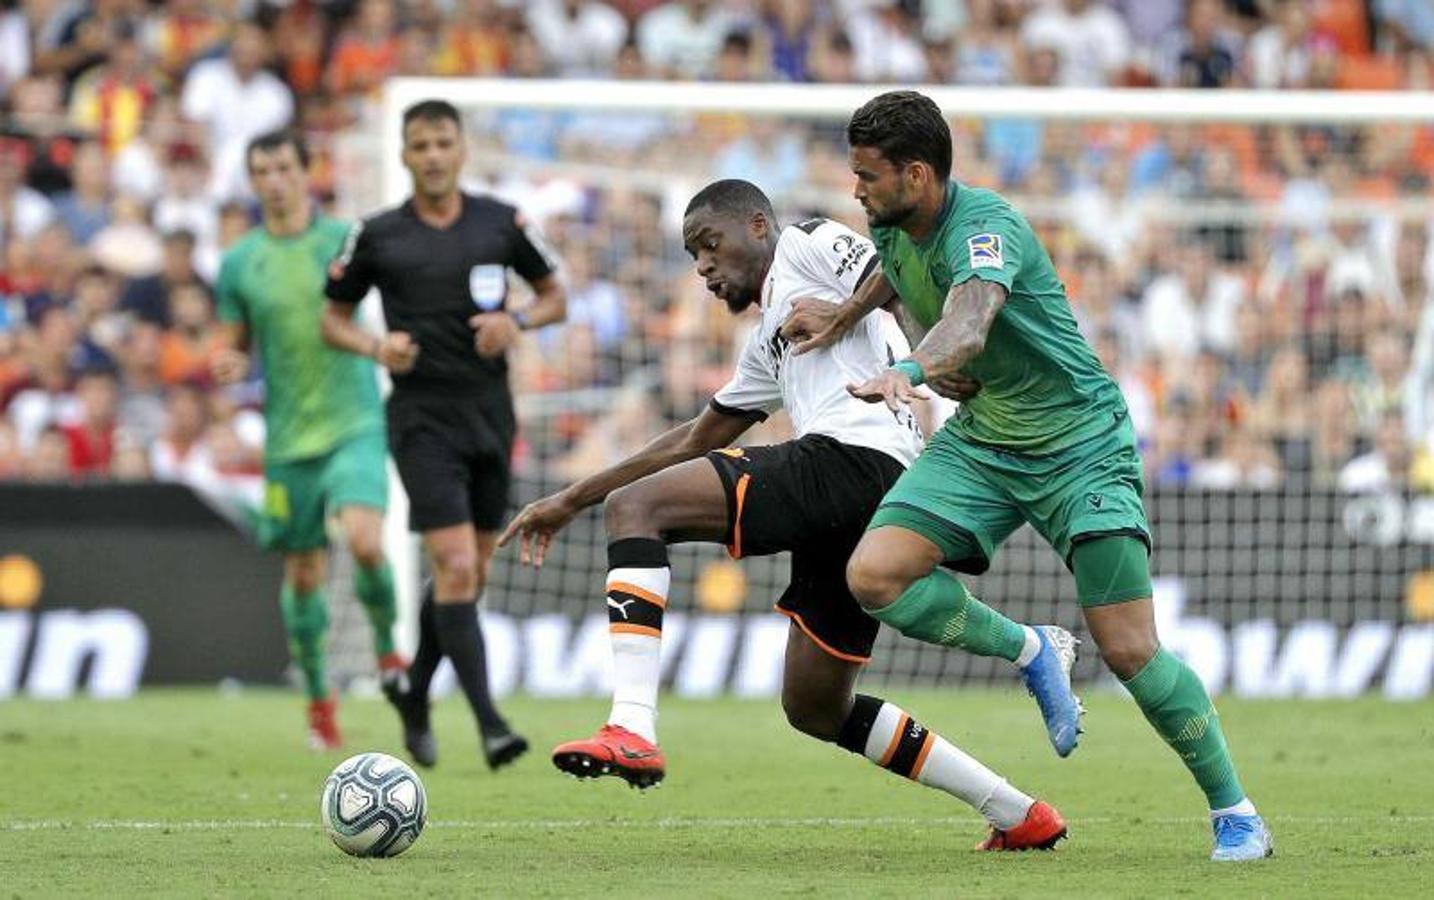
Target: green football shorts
300,493
967,498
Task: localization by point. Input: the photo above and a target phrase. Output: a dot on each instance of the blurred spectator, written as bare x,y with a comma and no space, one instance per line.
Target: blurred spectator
367,51
1410,22
191,342
142,403
1334,441
235,99
1281,54
14,47
887,42
84,209
985,52
180,454
1202,54
474,42
182,32
91,436
580,37
736,61
791,31
1242,462
1387,467
683,37
12,457
185,205
49,460
768,155
1090,39
23,210
110,100
76,36
1283,413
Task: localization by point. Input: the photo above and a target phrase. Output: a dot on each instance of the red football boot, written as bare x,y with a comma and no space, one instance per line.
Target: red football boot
613,751
1043,826
324,725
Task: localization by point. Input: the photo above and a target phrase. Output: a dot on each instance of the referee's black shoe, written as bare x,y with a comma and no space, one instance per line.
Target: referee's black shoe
502,748
417,732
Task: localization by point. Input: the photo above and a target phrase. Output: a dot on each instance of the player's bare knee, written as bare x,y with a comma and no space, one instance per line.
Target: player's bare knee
812,716
872,580
367,549
304,572
1128,654
629,512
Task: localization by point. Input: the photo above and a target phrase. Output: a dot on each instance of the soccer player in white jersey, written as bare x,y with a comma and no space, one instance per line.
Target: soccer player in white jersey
812,496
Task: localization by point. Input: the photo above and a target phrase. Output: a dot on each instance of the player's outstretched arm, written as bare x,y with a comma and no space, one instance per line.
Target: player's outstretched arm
813,324
955,340
395,351
541,519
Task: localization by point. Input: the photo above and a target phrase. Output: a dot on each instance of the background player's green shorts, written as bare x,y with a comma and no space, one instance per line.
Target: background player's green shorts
299,493
967,498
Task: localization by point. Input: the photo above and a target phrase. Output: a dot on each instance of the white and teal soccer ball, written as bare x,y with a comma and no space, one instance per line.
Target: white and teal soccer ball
373,805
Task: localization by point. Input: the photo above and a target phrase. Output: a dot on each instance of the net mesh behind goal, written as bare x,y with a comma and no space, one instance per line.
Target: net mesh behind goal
1253,269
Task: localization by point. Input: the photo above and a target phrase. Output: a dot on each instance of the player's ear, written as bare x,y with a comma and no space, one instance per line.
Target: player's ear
759,226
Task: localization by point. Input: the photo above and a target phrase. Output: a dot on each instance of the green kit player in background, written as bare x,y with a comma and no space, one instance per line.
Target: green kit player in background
325,449
1047,440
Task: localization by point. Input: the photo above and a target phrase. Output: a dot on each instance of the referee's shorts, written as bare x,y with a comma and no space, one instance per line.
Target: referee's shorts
454,455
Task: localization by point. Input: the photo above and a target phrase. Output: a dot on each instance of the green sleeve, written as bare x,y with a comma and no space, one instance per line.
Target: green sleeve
990,249
229,302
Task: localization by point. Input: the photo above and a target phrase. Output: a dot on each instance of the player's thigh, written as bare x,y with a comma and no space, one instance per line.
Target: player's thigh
687,502
1087,493
953,500
817,687
292,517
356,487
887,560
822,607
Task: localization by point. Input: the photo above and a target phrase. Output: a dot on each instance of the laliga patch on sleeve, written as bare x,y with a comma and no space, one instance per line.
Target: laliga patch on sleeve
985,251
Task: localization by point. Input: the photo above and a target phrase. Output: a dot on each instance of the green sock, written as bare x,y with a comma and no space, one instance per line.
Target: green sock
375,591
938,609
306,619
1174,701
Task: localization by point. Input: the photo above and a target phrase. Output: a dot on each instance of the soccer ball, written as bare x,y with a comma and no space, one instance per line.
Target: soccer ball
373,805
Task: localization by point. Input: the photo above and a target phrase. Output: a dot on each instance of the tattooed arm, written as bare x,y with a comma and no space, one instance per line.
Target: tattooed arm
955,340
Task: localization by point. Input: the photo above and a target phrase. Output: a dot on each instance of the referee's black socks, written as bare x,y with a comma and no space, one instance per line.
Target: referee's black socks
430,651
461,640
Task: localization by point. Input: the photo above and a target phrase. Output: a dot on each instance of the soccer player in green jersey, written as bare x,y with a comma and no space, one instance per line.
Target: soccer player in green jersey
325,451
1047,440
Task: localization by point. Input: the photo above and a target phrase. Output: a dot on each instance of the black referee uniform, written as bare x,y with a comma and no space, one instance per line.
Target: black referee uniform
450,419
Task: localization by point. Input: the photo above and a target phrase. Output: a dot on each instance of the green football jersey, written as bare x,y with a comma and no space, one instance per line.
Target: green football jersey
315,397
1042,387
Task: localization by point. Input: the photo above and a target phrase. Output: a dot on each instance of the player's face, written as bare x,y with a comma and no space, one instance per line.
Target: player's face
730,255
278,178
433,153
886,191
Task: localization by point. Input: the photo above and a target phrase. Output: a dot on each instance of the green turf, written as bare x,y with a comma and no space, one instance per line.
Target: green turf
230,797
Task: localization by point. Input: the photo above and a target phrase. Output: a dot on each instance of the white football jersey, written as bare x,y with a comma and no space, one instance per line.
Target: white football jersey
823,260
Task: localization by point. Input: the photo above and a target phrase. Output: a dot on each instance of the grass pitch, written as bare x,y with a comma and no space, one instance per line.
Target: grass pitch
190,793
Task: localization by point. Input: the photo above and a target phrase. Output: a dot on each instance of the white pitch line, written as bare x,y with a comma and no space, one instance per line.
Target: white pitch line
669,823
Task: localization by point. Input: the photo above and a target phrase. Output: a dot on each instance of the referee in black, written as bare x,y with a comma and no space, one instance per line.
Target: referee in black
440,262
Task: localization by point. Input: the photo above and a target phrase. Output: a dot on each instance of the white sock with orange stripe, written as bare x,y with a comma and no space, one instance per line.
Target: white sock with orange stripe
637,582
886,735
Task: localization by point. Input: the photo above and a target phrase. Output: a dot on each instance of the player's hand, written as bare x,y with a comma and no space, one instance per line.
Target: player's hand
537,524
891,387
229,366
811,325
397,352
493,333
954,387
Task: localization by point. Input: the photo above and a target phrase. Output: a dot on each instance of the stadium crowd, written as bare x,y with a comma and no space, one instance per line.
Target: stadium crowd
1295,343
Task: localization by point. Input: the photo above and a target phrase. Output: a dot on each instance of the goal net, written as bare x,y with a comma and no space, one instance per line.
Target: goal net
1253,268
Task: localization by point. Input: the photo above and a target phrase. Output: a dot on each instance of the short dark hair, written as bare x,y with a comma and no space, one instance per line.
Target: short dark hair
270,141
432,110
731,197
906,127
